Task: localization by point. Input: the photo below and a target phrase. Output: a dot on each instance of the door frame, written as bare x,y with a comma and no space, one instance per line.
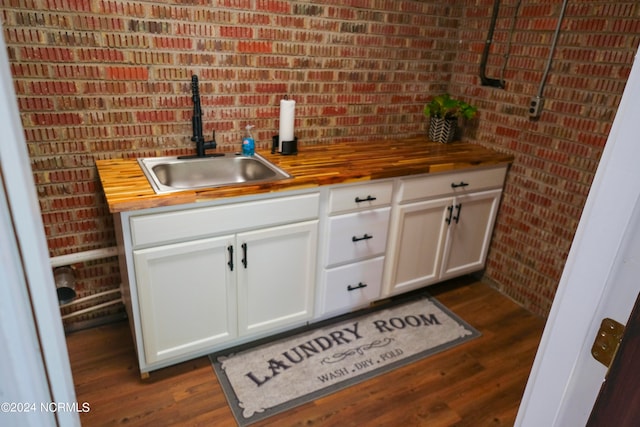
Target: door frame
36,346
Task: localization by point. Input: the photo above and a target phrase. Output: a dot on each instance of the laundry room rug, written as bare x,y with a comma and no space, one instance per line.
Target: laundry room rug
272,377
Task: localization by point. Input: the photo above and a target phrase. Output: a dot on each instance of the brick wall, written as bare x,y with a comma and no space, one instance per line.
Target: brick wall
100,79
557,154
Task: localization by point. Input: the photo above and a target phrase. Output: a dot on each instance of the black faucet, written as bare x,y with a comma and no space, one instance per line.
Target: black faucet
196,122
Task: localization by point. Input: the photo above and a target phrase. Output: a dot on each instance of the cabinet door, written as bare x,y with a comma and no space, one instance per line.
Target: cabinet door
186,295
276,275
417,244
470,233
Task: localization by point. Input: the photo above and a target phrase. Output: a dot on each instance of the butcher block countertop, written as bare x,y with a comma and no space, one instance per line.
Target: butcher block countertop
126,188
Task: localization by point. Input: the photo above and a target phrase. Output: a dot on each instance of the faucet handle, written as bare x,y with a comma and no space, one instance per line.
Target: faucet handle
212,143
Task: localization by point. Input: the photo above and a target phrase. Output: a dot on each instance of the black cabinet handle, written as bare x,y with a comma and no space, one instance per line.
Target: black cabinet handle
461,184
244,255
457,217
365,237
448,219
368,199
230,263
358,286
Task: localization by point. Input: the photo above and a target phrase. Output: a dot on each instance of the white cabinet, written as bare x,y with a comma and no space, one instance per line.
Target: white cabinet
276,275
216,289
469,233
441,227
357,226
201,277
186,297
417,245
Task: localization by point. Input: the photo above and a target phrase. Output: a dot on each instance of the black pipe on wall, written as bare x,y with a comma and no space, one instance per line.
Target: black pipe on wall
486,81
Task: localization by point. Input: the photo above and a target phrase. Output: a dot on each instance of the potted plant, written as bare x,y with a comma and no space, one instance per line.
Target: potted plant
444,112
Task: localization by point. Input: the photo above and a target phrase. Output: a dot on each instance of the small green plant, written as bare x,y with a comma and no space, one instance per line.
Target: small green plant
443,106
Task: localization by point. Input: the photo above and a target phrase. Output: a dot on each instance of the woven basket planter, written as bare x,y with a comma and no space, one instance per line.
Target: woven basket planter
442,130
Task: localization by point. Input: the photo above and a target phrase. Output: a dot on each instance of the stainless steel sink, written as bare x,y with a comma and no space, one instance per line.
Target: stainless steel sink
169,174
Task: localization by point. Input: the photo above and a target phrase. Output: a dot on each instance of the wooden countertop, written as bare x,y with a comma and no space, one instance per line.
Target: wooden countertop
126,188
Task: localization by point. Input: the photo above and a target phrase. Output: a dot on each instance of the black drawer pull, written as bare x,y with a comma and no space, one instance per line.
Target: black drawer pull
462,184
365,237
368,199
457,217
450,214
230,263
358,286
244,255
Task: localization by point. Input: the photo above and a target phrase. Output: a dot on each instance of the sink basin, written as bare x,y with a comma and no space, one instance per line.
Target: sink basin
169,174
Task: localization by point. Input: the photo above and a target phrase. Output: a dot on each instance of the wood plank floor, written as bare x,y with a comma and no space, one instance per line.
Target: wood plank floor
479,383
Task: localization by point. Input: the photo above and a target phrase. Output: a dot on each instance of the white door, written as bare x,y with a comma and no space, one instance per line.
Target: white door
187,295
469,233
276,276
600,280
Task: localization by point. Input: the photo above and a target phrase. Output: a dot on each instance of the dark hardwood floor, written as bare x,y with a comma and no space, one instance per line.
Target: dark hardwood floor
479,383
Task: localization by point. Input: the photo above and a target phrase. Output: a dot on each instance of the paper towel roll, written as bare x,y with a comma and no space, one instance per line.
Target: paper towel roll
287,117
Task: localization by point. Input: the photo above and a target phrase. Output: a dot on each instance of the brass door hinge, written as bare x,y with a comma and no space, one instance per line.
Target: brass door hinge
607,341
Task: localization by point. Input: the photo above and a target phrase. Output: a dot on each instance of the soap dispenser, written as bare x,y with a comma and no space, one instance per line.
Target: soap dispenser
248,143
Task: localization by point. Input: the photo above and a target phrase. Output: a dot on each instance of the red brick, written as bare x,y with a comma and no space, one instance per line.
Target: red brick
334,111
254,47
118,8
236,32
95,22
168,12
127,73
363,87
100,55
273,6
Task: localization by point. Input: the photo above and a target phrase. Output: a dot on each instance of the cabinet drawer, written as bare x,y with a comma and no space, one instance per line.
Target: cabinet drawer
353,285
357,235
361,196
451,183
161,228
